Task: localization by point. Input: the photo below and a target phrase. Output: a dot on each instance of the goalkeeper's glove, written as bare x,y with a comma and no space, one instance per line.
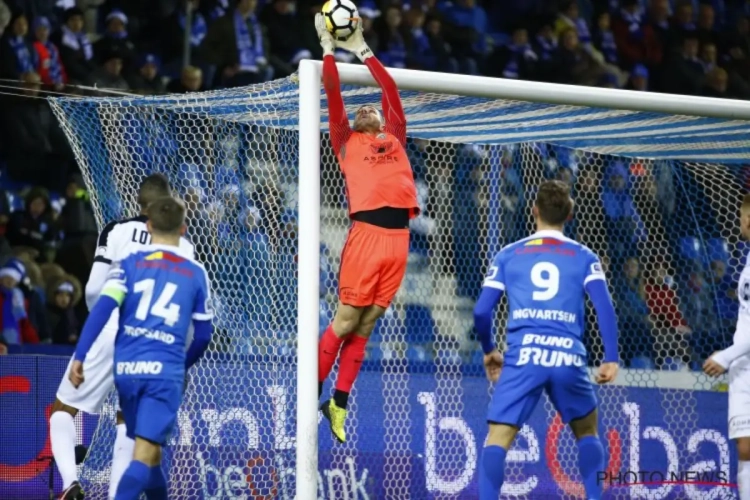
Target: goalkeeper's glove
325,37
356,44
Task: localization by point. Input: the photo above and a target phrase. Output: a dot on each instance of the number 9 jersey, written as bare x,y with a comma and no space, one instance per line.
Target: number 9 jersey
160,291
544,277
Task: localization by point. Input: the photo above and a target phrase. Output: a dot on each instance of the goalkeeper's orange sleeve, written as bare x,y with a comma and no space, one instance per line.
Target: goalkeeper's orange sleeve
337,119
393,111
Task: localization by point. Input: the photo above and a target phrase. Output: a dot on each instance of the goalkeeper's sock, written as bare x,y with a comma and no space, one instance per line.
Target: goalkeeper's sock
62,435
491,472
122,454
157,485
350,362
328,351
743,479
590,463
134,481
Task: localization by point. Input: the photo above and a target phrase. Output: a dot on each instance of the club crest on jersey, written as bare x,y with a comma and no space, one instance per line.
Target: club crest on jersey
382,148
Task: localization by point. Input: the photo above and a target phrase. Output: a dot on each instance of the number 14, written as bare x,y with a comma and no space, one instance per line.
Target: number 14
162,308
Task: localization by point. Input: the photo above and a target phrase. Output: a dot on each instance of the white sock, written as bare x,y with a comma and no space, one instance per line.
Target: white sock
62,436
121,457
743,479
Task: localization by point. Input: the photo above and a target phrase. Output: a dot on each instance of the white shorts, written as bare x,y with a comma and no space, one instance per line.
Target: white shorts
739,399
98,378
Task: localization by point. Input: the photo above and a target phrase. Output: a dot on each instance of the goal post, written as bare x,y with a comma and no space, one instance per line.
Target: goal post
267,213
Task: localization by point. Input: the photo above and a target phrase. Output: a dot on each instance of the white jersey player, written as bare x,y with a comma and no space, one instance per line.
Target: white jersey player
736,359
117,240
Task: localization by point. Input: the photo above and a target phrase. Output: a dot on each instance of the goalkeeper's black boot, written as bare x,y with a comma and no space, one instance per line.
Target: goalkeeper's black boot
73,492
336,418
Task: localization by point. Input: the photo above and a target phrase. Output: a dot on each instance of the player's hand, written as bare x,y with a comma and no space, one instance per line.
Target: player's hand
325,37
493,365
607,373
712,368
3,349
76,374
356,44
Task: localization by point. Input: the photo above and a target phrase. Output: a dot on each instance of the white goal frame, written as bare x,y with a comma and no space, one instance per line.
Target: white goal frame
310,73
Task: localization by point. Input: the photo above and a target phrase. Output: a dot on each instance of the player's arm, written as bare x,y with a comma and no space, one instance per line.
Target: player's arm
393,110
595,284
492,291
736,350
338,121
202,316
111,297
101,266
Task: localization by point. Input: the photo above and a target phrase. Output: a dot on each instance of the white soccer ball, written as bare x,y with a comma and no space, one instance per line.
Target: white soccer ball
342,18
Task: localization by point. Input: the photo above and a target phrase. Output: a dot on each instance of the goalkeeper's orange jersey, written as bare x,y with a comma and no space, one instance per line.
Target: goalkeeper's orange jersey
377,173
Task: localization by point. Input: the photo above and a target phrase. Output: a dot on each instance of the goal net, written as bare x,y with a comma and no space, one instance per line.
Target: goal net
656,198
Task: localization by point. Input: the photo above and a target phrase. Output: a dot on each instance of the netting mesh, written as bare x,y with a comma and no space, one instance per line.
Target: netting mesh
664,229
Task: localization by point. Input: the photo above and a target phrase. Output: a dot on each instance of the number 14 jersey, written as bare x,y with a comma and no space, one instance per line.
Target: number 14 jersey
544,277
160,291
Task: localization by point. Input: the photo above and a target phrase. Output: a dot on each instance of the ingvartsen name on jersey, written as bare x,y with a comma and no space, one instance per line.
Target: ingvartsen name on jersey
544,314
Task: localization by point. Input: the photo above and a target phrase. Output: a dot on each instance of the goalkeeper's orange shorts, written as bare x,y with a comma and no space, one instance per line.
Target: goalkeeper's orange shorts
373,265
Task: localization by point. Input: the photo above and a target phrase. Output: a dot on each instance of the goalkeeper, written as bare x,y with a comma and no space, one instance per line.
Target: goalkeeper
382,198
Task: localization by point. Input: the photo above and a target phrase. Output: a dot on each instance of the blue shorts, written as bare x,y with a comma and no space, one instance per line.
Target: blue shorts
149,407
520,387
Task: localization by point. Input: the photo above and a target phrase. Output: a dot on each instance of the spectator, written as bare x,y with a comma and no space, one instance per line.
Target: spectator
573,64
516,60
50,272
32,287
173,33
708,57
392,51
116,40
77,217
724,290
14,313
636,40
429,50
466,29
706,28
603,38
76,51
658,19
148,81
5,17
638,78
737,48
17,54
35,227
285,36
684,73
569,18
633,312
109,75
34,141
62,296
369,13
684,17
623,223
49,64
191,80
237,45
670,328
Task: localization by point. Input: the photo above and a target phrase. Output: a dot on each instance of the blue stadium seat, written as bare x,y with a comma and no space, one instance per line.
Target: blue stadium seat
642,363
417,353
717,249
672,364
690,248
420,327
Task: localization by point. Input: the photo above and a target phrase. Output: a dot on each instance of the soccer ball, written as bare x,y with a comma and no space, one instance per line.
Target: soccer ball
342,18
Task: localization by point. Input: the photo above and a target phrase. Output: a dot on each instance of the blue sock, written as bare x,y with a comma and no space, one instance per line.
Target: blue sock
590,463
491,472
157,485
133,481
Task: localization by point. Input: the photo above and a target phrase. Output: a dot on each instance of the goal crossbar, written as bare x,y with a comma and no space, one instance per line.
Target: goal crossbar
310,128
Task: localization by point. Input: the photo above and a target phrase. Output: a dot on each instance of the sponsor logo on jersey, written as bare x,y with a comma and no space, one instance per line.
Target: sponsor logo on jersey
544,314
547,358
382,148
101,251
547,340
133,331
139,368
596,268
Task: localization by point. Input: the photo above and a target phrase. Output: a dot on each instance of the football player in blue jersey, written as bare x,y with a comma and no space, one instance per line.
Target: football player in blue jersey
160,292
545,278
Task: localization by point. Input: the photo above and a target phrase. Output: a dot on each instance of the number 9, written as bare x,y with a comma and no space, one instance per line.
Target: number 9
545,276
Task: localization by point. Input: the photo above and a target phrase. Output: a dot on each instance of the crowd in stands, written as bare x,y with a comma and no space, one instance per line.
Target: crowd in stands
47,229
